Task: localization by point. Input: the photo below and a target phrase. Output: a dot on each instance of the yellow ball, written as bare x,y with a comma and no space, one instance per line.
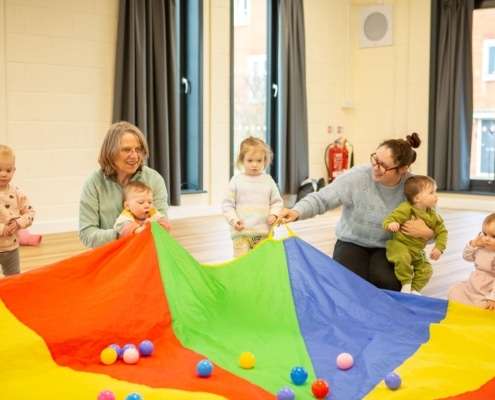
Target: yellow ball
246,360
108,356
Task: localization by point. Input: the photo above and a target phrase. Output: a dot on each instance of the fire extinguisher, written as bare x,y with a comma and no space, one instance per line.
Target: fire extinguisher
337,158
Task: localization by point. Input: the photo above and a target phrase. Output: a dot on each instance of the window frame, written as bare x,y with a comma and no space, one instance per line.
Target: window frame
483,186
271,81
190,68
488,59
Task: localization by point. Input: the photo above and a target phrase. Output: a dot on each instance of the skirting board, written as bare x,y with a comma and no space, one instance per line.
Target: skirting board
466,202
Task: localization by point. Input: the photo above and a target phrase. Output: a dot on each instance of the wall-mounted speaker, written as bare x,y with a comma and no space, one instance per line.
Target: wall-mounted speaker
376,26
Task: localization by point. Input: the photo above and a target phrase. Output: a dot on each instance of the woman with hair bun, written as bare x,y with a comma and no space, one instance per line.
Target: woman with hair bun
366,195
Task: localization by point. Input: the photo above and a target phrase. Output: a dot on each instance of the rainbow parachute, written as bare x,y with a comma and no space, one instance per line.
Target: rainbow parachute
285,302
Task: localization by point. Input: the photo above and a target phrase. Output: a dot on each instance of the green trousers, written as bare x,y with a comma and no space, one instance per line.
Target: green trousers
411,265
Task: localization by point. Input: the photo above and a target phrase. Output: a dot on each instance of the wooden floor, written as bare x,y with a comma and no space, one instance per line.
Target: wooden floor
207,239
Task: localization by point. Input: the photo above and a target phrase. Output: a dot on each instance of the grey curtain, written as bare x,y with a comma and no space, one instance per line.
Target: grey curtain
146,80
453,94
292,108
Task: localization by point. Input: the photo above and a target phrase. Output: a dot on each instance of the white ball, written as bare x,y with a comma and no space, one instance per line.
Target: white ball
345,361
131,356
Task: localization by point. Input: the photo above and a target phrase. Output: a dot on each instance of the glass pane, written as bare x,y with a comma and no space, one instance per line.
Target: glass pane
249,71
189,45
487,149
483,135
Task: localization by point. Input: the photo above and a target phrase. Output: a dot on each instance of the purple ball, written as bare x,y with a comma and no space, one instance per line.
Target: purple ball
286,393
393,381
127,346
146,348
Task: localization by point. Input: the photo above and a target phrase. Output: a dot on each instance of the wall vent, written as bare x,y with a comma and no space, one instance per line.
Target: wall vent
376,26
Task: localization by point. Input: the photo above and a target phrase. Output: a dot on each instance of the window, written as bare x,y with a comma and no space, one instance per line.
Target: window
254,75
266,84
482,165
489,60
484,147
256,78
249,78
190,96
242,12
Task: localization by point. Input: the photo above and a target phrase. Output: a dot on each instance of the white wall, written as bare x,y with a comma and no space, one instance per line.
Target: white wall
58,74
387,86
56,79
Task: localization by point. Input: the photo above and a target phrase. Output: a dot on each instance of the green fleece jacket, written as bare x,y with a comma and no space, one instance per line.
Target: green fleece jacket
406,211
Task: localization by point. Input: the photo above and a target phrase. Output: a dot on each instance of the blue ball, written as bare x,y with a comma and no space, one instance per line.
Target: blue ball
286,393
146,348
204,368
134,396
299,375
117,349
393,381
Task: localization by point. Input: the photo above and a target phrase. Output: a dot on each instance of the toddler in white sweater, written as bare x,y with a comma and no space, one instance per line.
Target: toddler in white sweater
252,201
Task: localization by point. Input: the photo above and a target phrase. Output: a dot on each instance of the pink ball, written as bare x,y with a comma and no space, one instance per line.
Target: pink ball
106,395
131,356
345,361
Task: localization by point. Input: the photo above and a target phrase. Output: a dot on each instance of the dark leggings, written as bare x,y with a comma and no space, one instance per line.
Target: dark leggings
10,262
370,264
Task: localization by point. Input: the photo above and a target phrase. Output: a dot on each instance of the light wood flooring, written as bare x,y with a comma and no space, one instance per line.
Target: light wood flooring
207,239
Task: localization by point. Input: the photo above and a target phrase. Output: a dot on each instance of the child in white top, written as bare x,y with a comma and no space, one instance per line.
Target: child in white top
252,201
138,210
15,213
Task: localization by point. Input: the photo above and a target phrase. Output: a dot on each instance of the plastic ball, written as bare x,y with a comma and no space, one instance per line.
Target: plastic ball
117,348
320,388
130,356
146,348
247,360
393,381
286,393
128,346
108,356
106,395
134,396
204,368
299,375
345,361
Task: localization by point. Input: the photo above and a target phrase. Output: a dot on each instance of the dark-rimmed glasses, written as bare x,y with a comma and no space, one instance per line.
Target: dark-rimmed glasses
381,168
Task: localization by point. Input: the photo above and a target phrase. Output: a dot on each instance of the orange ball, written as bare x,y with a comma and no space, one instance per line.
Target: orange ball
246,360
